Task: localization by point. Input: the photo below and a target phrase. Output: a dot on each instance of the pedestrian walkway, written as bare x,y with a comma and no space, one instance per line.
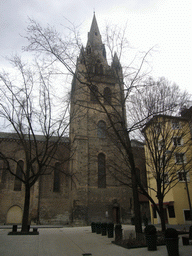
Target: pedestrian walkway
73,241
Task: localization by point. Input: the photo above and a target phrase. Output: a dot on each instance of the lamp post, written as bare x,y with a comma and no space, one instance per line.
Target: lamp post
187,189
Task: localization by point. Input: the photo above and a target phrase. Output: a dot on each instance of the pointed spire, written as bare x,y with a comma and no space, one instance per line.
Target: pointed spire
94,36
94,26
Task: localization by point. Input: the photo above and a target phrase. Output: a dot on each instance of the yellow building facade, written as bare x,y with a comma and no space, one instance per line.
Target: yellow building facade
168,153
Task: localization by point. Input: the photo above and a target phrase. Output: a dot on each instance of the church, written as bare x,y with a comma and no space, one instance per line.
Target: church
93,191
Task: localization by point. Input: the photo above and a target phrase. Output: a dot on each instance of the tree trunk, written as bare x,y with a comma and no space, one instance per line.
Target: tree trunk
25,220
162,216
137,212
39,200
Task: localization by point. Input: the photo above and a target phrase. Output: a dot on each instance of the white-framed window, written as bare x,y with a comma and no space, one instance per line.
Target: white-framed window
175,124
182,174
180,158
177,141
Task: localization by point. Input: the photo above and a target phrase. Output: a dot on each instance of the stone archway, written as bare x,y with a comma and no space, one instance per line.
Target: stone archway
14,215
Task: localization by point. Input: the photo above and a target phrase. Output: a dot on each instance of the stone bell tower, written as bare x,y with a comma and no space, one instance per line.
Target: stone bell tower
96,194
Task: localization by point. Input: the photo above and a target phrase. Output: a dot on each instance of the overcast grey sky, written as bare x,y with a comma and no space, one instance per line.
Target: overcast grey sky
164,23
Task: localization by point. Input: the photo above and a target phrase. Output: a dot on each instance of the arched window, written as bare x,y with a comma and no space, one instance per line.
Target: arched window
88,49
104,52
101,69
107,95
56,182
96,69
101,171
19,174
82,61
94,93
2,171
101,129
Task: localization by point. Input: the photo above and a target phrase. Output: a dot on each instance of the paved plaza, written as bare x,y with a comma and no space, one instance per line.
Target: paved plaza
73,241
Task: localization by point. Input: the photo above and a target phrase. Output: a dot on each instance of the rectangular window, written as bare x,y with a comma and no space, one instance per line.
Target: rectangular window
177,141
180,158
154,213
171,211
187,214
175,125
182,174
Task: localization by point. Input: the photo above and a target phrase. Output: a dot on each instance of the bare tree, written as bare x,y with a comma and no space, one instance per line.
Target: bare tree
158,96
39,122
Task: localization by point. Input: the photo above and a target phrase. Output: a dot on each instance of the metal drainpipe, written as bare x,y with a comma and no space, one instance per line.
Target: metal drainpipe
39,198
187,188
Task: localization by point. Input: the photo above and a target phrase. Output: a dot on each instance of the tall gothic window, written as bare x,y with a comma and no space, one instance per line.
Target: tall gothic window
2,171
101,69
107,95
101,171
19,174
88,49
56,182
101,129
96,69
94,93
